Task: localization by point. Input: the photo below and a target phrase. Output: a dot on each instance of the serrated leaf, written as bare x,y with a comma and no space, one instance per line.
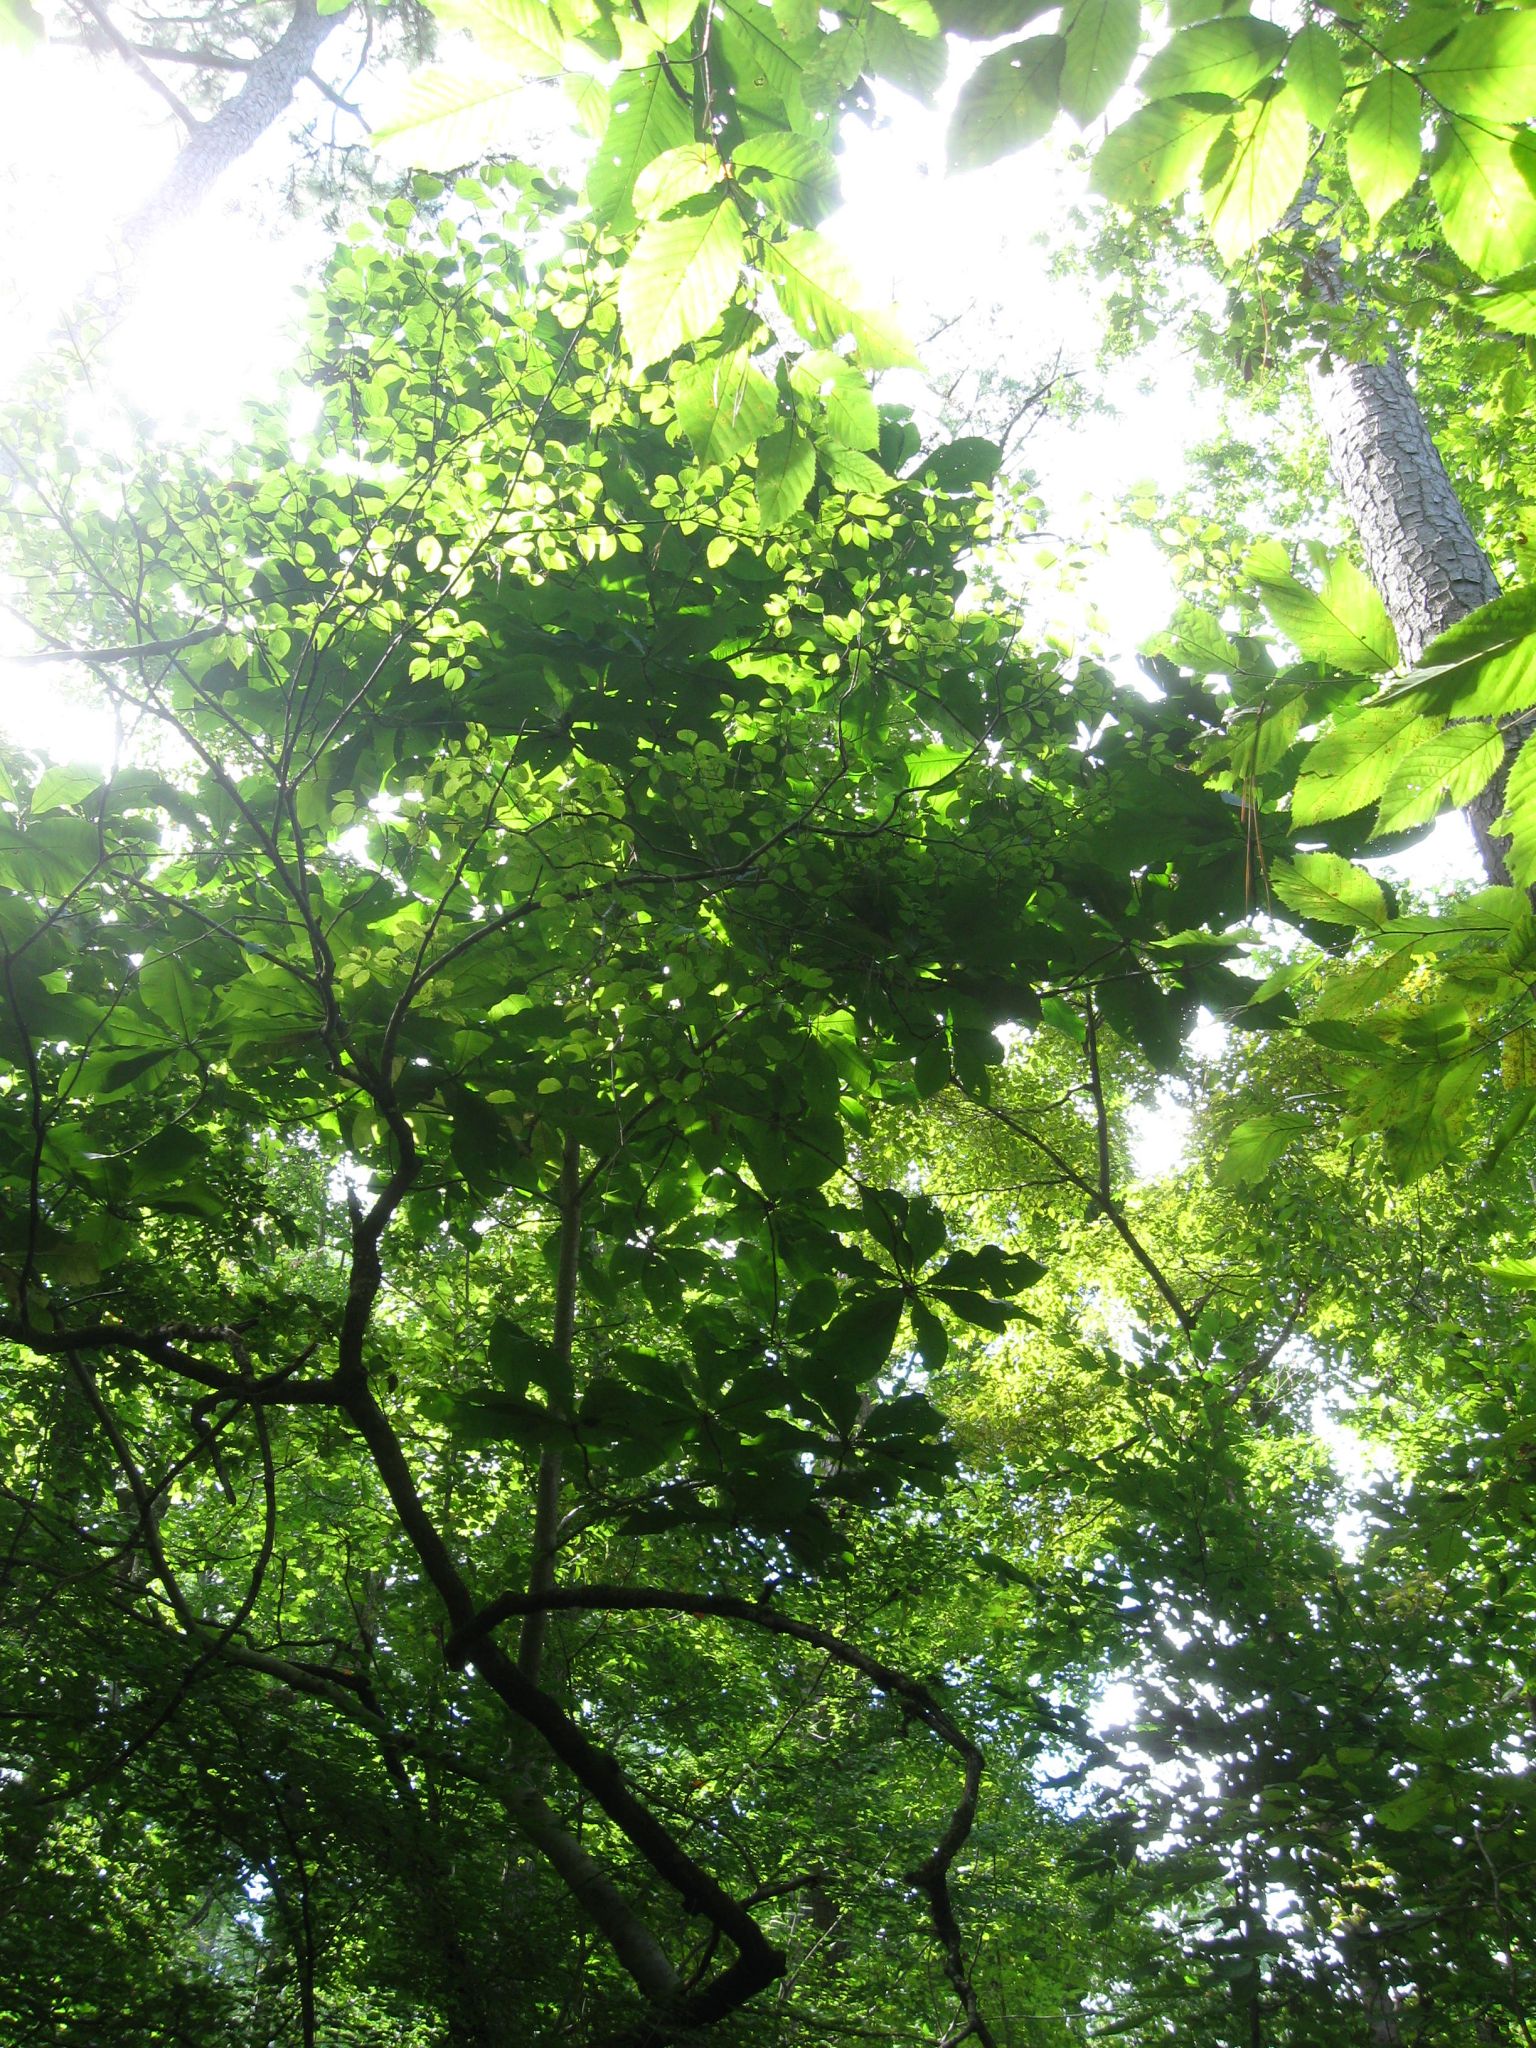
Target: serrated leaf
912,60
797,177
647,119
676,175
451,117
1488,68
1512,308
1510,1272
1484,665
1153,156
724,404
821,296
1102,38
1229,57
1337,627
1350,766
678,280
1315,68
786,469
1327,887
1009,100
1384,144
1445,771
1270,146
1485,187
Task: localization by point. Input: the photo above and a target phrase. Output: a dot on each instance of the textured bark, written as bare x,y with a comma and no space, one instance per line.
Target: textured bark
237,127
1418,543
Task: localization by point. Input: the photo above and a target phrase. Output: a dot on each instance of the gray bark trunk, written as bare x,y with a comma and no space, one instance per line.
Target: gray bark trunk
1418,543
239,124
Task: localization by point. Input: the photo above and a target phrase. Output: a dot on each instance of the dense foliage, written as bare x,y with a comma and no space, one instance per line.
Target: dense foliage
602,1443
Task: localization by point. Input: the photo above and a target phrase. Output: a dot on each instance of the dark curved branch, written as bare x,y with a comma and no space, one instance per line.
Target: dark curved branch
931,1877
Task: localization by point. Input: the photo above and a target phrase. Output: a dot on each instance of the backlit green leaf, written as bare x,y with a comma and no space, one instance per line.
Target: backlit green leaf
1384,145
1010,99
1102,38
1485,187
1259,179
678,279
1329,888
1488,68
1229,57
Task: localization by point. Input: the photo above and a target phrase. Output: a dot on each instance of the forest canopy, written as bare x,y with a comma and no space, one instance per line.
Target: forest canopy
603,1441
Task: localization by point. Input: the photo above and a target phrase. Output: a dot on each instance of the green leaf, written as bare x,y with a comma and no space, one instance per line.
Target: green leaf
1384,144
1484,665
647,119
1102,38
819,293
1262,174
1344,627
1519,815
678,280
172,998
62,788
786,469
1010,99
1353,764
931,1337
1510,1272
914,62
1483,185
1256,1144
1228,57
1445,771
670,18
677,174
849,470
1513,307
1329,888
450,117
725,404
844,395
858,1340
983,21
1315,68
1488,68
797,177
1153,156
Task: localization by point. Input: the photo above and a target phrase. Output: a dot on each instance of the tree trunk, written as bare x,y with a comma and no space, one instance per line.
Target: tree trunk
1419,547
239,124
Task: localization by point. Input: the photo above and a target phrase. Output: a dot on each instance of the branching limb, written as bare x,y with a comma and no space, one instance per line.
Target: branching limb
931,1877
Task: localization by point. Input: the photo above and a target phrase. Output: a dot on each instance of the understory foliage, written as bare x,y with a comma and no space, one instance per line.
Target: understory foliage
603,1443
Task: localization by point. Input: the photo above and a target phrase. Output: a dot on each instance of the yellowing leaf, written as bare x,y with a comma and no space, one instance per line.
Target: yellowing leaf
1383,147
678,280
1271,141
